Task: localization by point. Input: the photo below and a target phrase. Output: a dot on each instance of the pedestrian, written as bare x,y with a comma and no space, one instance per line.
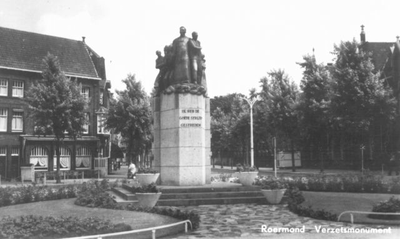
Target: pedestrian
132,170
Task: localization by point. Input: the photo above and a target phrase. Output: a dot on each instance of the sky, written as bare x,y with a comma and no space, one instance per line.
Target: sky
242,40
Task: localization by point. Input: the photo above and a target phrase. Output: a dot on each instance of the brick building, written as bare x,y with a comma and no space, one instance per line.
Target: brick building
21,62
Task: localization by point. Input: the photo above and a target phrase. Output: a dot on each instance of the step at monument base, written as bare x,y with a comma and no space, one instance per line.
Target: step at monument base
192,196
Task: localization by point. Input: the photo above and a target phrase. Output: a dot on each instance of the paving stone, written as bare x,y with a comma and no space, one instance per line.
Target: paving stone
245,220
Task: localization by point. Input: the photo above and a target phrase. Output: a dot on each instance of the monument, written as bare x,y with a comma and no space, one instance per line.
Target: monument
181,111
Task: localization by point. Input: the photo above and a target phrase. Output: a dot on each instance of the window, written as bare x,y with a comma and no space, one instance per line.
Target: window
39,158
18,89
101,97
86,125
3,87
85,92
3,151
17,121
100,124
3,120
65,159
15,151
83,157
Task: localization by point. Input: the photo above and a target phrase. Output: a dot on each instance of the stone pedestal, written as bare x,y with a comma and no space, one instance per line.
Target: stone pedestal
28,173
182,139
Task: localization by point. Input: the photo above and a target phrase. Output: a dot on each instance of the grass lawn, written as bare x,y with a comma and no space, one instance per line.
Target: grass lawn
66,207
337,203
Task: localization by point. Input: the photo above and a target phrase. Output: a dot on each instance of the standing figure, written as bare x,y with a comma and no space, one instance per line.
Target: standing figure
195,58
203,80
181,68
160,64
168,68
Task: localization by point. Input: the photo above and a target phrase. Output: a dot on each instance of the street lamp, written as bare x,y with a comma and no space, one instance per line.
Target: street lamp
362,147
251,102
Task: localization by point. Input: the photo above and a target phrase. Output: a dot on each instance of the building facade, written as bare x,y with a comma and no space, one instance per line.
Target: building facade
383,58
21,63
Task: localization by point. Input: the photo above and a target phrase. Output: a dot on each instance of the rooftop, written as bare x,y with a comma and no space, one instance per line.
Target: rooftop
21,50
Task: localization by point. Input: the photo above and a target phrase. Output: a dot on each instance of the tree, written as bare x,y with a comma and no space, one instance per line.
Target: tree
314,106
360,100
56,105
130,115
281,96
226,112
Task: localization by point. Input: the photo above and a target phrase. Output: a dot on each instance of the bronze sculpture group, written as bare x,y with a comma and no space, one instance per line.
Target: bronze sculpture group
182,68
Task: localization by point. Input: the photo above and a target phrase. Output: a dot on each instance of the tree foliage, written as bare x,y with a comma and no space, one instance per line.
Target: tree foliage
340,107
130,115
56,105
281,95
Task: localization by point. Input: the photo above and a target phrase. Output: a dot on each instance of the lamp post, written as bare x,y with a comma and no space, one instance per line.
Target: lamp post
251,102
362,147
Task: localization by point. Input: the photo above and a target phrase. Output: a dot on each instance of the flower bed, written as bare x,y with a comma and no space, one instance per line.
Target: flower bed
295,199
90,194
18,195
359,183
392,206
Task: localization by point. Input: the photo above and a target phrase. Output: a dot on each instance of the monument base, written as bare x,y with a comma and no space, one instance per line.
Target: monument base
182,139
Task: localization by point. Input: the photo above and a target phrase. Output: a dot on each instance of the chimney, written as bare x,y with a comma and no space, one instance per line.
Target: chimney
362,34
397,38
83,39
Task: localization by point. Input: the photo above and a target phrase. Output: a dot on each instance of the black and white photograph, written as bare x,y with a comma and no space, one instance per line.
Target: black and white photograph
199,119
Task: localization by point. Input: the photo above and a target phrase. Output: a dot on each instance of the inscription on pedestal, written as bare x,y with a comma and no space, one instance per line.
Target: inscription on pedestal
190,118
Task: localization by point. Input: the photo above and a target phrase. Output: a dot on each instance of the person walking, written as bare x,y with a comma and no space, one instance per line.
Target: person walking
132,170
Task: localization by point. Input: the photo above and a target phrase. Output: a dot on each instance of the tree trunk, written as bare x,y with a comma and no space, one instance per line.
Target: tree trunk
322,160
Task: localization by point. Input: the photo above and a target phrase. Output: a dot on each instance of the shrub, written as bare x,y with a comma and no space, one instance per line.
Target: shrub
50,227
225,177
333,185
316,183
366,182
295,199
27,194
95,195
391,205
299,182
270,183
